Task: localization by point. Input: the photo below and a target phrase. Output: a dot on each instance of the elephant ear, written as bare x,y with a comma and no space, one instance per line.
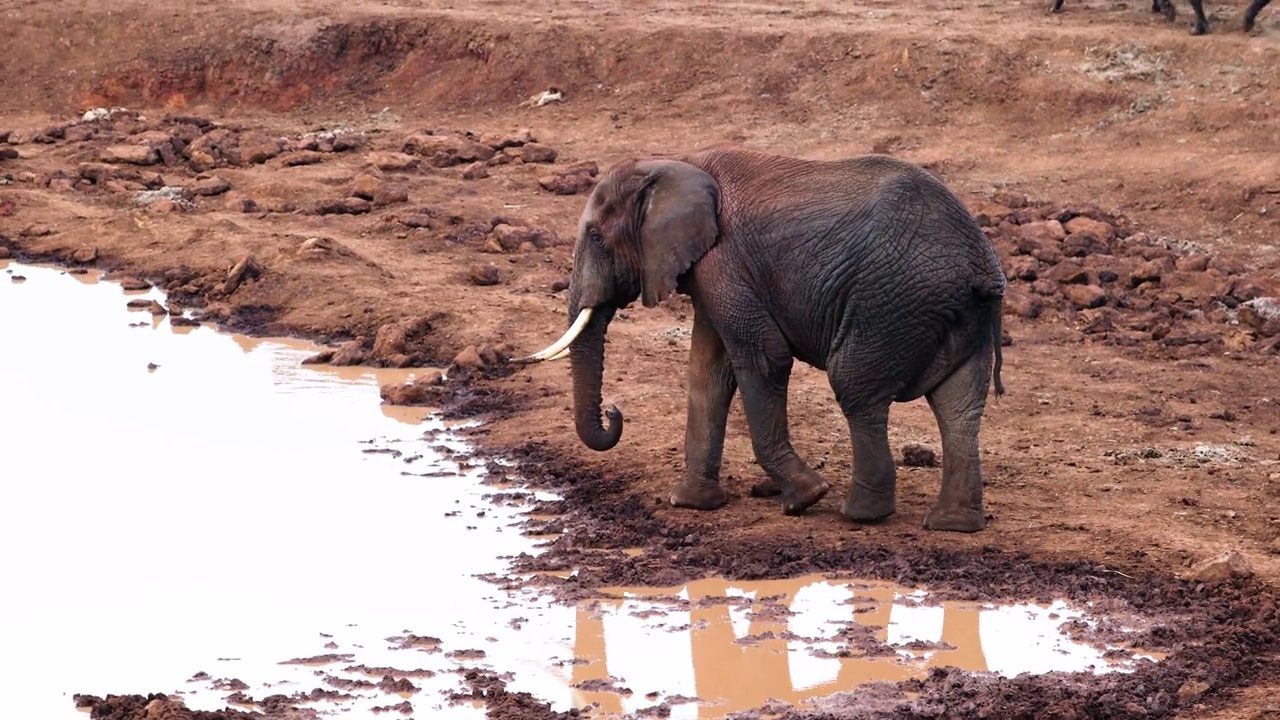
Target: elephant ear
679,223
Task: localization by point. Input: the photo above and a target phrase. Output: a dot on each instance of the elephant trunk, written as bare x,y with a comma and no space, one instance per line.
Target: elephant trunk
586,356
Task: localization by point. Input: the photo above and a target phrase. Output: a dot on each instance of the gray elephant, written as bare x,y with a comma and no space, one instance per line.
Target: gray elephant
868,268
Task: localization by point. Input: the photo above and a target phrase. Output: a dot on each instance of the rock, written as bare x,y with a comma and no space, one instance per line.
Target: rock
96,173
1022,304
1068,272
567,183
1043,232
139,304
1084,225
402,338
365,186
520,137
391,193
511,237
1226,566
342,142
417,220
84,256
484,275
351,352
8,153
535,153
319,358
4,253
157,309
447,150
1150,271
303,157
257,148
914,455
468,358
476,171
1193,263
422,391
1084,244
1262,314
345,206
1045,287
1085,296
130,154
1192,690
1023,267
1097,320
246,269
393,161
559,285
133,283
1010,199
201,161
210,186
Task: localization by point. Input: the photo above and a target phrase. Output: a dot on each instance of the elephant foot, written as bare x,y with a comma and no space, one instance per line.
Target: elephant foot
766,488
955,519
1200,29
699,495
865,508
802,494
1248,24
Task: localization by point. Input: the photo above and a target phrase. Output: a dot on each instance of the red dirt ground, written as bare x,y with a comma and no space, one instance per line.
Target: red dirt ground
1138,437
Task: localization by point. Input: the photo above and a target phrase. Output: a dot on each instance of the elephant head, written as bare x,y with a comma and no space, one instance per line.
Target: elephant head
645,224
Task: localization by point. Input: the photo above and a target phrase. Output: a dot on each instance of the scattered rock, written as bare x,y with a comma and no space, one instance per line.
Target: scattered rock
572,180
1262,314
1041,233
157,309
257,148
351,352
133,283
1022,304
391,193
139,304
484,275
447,150
915,455
1085,296
536,153
393,161
246,269
422,391
210,186
4,253
511,237
402,343
469,358
345,206
520,137
96,173
476,171
304,157
84,256
1193,263
131,154
1226,566
365,186
1150,271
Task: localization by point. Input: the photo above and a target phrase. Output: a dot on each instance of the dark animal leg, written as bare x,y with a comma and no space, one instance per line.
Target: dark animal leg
711,388
957,405
1201,25
873,494
763,379
1251,14
1057,6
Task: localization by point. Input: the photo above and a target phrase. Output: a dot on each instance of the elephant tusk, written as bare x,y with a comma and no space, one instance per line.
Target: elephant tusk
553,350
560,355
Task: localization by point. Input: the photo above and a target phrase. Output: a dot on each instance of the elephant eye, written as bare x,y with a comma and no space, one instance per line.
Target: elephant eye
597,238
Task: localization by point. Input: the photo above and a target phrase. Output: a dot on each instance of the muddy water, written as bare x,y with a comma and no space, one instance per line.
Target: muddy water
185,507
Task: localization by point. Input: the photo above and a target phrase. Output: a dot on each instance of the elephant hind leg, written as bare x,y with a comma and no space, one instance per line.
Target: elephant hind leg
873,494
958,404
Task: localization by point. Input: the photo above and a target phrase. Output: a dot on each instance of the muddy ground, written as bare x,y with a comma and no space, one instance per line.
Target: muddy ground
373,175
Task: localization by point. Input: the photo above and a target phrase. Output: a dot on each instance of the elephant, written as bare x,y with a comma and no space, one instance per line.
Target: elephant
868,268
1201,25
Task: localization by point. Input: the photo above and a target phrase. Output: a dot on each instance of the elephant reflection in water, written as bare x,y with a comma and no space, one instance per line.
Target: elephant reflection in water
730,676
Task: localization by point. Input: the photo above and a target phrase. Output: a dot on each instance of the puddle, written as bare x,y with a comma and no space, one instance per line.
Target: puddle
735,646
192,512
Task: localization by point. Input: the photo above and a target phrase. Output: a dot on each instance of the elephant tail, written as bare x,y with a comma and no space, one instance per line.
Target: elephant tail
995,308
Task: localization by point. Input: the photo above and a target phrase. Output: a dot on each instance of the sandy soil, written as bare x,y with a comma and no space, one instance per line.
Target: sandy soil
366,174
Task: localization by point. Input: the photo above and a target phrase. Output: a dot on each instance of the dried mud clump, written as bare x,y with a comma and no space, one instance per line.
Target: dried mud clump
157,706
500,704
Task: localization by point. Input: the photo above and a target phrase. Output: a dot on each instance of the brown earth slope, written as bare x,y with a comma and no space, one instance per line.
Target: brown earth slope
377,164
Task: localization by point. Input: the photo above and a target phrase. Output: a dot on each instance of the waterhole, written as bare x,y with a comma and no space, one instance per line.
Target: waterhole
197,513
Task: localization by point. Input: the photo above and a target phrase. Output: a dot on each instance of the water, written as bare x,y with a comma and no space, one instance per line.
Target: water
183,501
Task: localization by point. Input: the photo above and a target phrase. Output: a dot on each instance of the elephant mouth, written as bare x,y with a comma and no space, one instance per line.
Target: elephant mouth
559,349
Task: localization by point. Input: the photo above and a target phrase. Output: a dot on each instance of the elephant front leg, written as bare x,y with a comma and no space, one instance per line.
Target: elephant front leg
711,388
958,404
764,396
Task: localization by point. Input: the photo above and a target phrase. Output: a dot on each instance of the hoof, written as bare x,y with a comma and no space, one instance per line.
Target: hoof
801,496
766,488
965,520
700,496
864,509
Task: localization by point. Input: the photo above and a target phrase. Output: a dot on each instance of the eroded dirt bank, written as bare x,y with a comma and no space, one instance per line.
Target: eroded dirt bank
367,176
